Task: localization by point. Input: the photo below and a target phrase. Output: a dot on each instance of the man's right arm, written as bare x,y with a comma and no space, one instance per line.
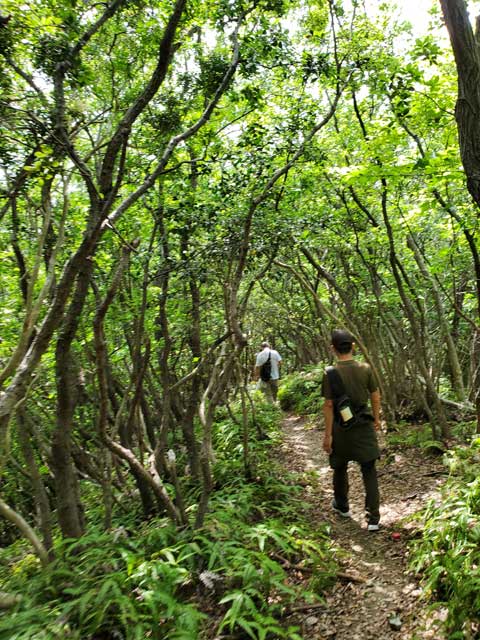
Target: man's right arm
328,418
375,400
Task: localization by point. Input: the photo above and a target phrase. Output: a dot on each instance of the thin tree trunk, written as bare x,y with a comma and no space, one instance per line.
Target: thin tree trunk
149,477
212,396
455,369
245,435
410,312
26,530
476,375
163,334
195,343
69,508
42,503
107,489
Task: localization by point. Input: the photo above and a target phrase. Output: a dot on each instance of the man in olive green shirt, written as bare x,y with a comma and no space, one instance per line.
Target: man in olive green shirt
358,442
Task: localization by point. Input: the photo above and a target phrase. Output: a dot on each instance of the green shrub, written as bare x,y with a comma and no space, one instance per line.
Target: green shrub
415,435
448,555
150,580
148,586
104,583
301,392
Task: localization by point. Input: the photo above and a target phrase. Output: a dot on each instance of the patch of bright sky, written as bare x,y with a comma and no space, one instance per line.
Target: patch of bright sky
420,14
416,12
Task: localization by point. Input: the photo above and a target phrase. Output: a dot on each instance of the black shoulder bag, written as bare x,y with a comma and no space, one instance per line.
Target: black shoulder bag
344,410
266,369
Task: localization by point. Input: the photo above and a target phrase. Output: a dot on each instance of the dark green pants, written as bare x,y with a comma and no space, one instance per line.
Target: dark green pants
370,482
270,389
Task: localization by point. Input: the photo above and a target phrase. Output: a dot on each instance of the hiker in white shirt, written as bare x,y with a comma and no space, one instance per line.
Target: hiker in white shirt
266,359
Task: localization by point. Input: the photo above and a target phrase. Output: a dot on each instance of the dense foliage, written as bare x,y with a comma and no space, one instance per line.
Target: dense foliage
148,580
302,392
179,181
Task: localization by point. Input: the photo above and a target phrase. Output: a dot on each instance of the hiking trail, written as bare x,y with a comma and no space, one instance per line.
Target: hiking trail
374,597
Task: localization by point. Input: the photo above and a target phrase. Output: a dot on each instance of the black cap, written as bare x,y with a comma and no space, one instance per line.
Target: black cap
341,338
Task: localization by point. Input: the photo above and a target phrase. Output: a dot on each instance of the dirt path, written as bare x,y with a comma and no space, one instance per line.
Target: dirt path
361,609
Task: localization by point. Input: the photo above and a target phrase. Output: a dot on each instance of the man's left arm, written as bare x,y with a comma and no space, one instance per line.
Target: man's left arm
259,360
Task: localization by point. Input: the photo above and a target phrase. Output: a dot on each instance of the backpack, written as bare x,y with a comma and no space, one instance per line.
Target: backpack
266,369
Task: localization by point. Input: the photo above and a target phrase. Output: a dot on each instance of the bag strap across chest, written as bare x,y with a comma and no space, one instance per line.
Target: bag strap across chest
343,409
336,383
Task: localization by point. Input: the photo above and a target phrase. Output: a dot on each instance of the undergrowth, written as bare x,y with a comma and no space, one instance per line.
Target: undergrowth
149,580
414,435
302,392
447,558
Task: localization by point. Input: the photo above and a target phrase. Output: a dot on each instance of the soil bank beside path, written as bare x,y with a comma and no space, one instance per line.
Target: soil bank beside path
381,591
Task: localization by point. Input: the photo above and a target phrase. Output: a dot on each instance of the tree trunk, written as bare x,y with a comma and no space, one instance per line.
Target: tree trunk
194,340
455,368
467,112
476,375
414,325
149,477
42,503
69,508
163,334
26,531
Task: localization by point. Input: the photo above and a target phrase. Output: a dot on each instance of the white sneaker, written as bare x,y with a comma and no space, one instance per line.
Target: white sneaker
344,514
373,527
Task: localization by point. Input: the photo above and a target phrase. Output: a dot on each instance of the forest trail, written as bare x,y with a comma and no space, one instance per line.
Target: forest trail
380,590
